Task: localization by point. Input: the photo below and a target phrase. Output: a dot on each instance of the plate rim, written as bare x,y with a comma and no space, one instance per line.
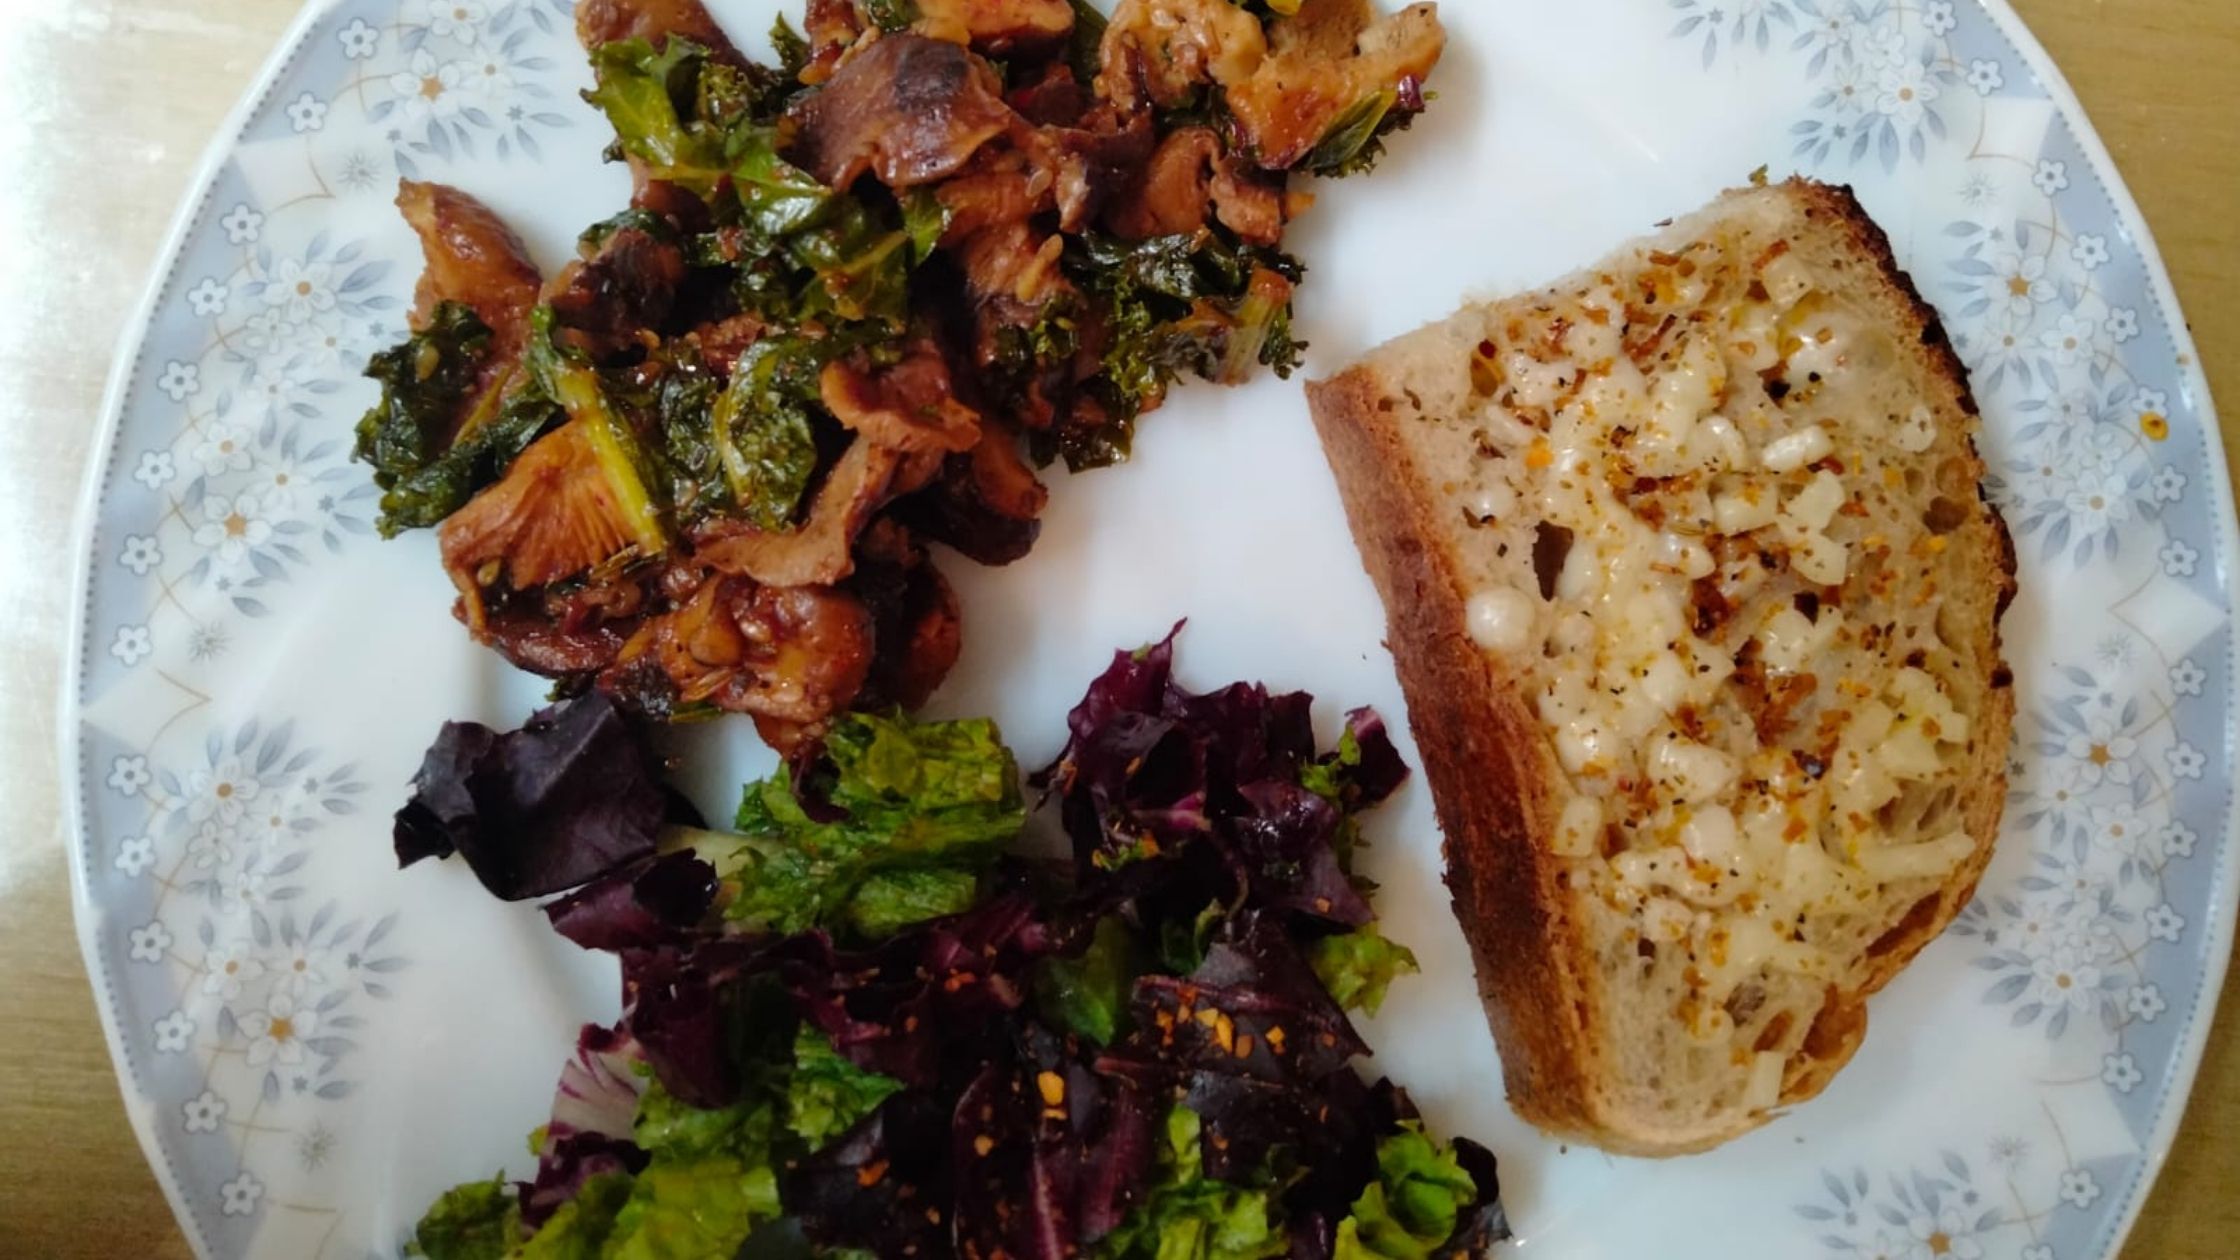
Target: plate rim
88,917
2186,1069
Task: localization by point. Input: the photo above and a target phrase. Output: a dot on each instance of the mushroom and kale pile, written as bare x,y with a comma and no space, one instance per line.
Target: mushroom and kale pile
855,300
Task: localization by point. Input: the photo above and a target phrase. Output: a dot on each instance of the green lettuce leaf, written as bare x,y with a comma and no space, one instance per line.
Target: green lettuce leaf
477,1221
1356,967
710,1181
1413,1205
579,1229
929,806
1089,995
828,1094
693,1209
668,1129
889,901
1185,1215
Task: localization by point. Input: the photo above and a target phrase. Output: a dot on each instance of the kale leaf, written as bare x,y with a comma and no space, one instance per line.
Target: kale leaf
430,441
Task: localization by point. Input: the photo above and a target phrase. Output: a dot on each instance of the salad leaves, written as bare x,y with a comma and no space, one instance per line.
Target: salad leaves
856,1024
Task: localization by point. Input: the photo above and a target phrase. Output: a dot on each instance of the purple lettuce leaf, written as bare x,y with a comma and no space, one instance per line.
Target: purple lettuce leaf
651,903
884,1187
574,793
592,1113
1379,771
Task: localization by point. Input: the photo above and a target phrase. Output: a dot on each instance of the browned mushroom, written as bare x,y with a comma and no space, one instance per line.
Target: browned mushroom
794,653
996,27
472,258
601,22
909,406
568,504
818,552
1327,62
908,109
1188,176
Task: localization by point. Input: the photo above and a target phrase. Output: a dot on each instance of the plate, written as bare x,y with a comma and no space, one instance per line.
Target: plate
312,1044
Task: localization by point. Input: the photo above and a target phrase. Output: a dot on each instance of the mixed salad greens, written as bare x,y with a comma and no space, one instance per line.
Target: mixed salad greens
859,1025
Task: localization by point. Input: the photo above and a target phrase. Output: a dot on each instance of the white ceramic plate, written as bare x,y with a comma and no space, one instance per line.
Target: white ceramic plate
312,1044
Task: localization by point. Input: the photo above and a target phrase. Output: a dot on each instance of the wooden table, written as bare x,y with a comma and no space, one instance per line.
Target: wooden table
107,106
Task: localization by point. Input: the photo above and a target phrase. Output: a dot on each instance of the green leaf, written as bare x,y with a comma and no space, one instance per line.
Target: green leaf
640,90
1084,47
1413,1205
1089,995
693,1210
1355,139
889,901
1182,946
860,267
1356,967
891,15
579,1228
1176,306
769,885
476,1221
925,217
669,1129
792,50
894,766
779,198
1185,1215
929,805
430,442
828,1094
760,430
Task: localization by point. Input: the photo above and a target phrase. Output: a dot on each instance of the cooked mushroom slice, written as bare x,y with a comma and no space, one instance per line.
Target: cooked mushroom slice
909,406
1158,52
920,630
794,653
986,503
625,288
1331,77
996,27
817,553
568,631
1313,85
1188,176
474,259
573,501
908,109
600,22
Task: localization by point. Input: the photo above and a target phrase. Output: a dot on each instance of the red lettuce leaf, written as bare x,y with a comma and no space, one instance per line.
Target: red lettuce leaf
574,793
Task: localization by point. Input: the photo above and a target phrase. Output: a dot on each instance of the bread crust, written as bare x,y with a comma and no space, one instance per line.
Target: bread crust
1495,782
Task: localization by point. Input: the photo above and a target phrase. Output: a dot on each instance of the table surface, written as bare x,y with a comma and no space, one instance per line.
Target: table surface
117,98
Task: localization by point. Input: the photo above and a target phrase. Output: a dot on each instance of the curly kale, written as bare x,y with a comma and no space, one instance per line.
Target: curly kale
1193,304
431,442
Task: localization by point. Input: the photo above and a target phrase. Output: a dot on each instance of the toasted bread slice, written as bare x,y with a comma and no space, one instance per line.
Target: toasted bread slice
1694,596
